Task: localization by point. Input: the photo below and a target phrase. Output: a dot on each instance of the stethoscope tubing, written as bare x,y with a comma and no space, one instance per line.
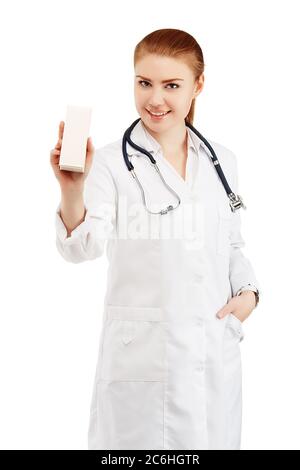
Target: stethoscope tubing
235,201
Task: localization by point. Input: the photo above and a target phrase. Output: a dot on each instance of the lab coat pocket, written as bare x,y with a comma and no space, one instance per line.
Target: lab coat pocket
131,382
134,346
233,335
223,230
236,326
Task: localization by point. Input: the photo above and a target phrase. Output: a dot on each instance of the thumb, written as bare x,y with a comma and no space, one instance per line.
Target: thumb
224,311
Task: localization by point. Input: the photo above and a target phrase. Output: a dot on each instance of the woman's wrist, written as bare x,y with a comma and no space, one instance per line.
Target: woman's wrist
246,290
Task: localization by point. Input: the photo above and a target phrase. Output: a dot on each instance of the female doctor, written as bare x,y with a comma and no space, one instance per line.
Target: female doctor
179,287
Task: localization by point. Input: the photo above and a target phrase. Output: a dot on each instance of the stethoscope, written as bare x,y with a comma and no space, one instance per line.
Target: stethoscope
235,201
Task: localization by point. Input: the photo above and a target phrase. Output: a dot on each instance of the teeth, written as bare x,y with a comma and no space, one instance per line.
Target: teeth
158,114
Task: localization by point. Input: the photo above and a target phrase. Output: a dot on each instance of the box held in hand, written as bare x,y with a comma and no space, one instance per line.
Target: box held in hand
74,142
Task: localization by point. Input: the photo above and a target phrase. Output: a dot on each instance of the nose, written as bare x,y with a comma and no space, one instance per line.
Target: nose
156,99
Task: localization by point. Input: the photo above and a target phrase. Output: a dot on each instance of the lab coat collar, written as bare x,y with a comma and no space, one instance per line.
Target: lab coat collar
144,139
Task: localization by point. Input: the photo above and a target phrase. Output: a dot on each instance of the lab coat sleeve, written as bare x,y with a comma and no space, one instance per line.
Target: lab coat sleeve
87,240
241,271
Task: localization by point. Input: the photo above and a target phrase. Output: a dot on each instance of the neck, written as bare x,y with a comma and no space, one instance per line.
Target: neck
173,141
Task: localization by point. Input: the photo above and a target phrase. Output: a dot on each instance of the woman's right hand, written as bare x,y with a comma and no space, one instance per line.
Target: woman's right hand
70,181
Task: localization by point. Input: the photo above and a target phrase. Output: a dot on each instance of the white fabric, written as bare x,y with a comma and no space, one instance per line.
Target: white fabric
168,373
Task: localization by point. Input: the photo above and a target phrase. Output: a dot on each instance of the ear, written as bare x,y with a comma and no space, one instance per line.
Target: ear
199,85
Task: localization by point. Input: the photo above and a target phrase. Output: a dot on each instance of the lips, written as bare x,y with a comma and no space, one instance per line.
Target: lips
158,112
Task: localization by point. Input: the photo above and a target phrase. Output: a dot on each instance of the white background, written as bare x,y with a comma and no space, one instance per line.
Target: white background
81,52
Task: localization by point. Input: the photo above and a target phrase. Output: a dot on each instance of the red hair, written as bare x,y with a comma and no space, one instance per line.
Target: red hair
177,44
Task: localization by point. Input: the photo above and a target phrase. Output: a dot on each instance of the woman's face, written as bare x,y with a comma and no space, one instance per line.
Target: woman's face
164,84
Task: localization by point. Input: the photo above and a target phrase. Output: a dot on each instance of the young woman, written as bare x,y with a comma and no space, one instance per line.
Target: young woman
179,287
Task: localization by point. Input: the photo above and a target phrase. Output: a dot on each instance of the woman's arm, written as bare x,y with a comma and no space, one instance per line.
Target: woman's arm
86,241
72,211
241,269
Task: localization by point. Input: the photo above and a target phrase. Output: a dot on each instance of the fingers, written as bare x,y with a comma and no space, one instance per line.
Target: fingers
90,149
228,308
61,129
223,312
60,137
58,145
57,149
90,144
54,154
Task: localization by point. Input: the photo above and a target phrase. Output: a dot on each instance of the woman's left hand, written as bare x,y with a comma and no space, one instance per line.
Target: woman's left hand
240,305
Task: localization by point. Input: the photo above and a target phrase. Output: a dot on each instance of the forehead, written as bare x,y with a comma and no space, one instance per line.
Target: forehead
159,68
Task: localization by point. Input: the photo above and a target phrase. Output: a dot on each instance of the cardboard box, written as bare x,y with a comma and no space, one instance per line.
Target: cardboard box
76,133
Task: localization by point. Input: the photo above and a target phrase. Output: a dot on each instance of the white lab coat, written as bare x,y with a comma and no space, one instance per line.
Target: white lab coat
168,374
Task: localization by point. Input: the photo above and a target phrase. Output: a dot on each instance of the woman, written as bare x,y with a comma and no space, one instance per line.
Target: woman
179,287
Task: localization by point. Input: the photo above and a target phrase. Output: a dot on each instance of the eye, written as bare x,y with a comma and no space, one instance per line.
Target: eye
174,84
144,81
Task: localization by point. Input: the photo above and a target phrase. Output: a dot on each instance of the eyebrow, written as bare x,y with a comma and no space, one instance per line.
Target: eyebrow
163,81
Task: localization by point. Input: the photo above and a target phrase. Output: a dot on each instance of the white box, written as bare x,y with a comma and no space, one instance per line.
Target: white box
75,135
